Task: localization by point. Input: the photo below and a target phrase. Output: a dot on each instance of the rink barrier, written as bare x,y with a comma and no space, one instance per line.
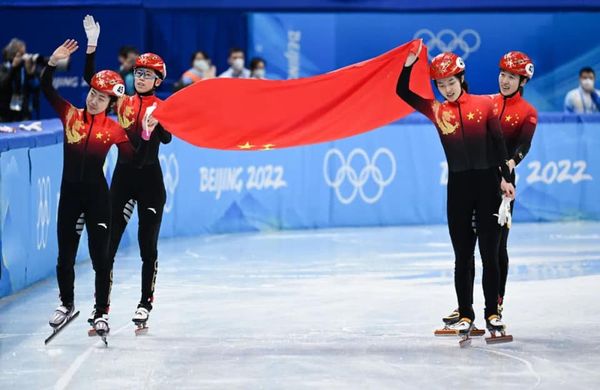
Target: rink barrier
395,175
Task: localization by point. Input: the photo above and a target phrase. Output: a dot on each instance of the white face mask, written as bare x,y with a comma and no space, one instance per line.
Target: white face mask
238,64
587,84
201,65
259,73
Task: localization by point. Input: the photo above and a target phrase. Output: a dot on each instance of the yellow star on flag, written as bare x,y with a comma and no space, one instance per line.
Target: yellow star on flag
247,145
268,147
470,116
508,118
99,136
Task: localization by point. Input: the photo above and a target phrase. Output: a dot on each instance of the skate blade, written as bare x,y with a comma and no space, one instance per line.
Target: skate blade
445,332
102,335
465,343
141,330
499,339
452,332
58,329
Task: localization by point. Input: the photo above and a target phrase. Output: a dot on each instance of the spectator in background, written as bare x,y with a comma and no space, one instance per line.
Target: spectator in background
585,99
258,68
236,65
202,68
19,82
127,57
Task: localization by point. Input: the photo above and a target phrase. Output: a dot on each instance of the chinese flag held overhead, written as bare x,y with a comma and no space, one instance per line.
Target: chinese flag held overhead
249,114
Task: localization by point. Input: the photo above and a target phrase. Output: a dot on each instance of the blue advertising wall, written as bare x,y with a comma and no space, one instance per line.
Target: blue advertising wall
560,43
392,176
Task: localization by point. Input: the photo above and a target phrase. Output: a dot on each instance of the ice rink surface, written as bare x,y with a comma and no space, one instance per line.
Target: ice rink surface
331,309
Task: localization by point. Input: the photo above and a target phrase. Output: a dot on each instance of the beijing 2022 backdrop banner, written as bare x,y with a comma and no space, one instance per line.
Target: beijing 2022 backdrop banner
391,176
298,45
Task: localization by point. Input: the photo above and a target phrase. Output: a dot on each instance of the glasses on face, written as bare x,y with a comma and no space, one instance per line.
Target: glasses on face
146,75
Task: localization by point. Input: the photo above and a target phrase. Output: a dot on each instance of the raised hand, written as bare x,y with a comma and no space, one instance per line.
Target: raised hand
64,51
412,57
92,30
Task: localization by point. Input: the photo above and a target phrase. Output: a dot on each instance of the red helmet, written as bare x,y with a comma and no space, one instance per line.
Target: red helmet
108,82
152,61
445,65
518,63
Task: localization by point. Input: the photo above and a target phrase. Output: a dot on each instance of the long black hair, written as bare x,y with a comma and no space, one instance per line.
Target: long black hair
463,83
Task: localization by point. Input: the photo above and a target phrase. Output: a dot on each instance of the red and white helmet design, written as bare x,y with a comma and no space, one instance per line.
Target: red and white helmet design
152,61
446,65
108,82
518,63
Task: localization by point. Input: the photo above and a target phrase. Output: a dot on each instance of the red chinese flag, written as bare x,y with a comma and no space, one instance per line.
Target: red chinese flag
247,114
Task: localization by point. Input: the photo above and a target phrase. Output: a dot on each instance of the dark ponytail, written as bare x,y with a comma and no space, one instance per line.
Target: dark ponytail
112,105
521,88
464,85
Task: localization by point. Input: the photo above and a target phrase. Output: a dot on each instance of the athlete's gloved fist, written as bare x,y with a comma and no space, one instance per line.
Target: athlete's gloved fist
504,216
149,122
92,30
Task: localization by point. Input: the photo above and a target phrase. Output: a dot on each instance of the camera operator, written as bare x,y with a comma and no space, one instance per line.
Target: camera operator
19,82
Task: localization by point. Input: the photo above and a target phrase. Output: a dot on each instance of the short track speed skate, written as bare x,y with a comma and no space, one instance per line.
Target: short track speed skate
61,317
140,319
449,328
497,330
99,327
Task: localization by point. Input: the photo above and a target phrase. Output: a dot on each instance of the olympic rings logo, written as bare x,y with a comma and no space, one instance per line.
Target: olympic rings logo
468,41
370,170
43,215
170,178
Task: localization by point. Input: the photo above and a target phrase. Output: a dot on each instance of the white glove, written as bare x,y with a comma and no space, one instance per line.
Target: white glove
34,126
146,128
7,129
92,30
504,216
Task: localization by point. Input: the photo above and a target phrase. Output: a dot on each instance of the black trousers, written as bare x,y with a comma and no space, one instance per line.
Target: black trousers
502,253
92,200
474,191
144,186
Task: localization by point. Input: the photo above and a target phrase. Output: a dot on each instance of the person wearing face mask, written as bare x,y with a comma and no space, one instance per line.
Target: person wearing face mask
88,135
518,119
201,69
475,150
258,68
585,99
137,179
236,65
